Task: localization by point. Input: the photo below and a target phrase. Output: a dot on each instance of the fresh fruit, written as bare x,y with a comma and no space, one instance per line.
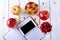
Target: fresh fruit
44,15
46,27
31,8
16,10
11,22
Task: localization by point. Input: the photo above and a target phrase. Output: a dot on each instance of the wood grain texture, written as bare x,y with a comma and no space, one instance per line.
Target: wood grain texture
53,6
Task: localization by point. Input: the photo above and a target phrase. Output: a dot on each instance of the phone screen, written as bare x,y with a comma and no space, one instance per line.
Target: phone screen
27,27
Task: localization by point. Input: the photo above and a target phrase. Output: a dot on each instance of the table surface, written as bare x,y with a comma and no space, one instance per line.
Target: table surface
53,6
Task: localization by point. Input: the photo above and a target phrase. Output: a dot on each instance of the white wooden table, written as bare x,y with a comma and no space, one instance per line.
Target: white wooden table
44,4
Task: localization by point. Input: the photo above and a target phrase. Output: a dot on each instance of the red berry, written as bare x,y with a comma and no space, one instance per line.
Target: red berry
46,27
11,22
44,15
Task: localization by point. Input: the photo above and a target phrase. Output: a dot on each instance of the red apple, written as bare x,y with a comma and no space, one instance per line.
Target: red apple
44,15
46,27
11,22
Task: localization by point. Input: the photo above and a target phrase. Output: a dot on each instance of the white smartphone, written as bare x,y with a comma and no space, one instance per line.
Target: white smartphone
30,30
